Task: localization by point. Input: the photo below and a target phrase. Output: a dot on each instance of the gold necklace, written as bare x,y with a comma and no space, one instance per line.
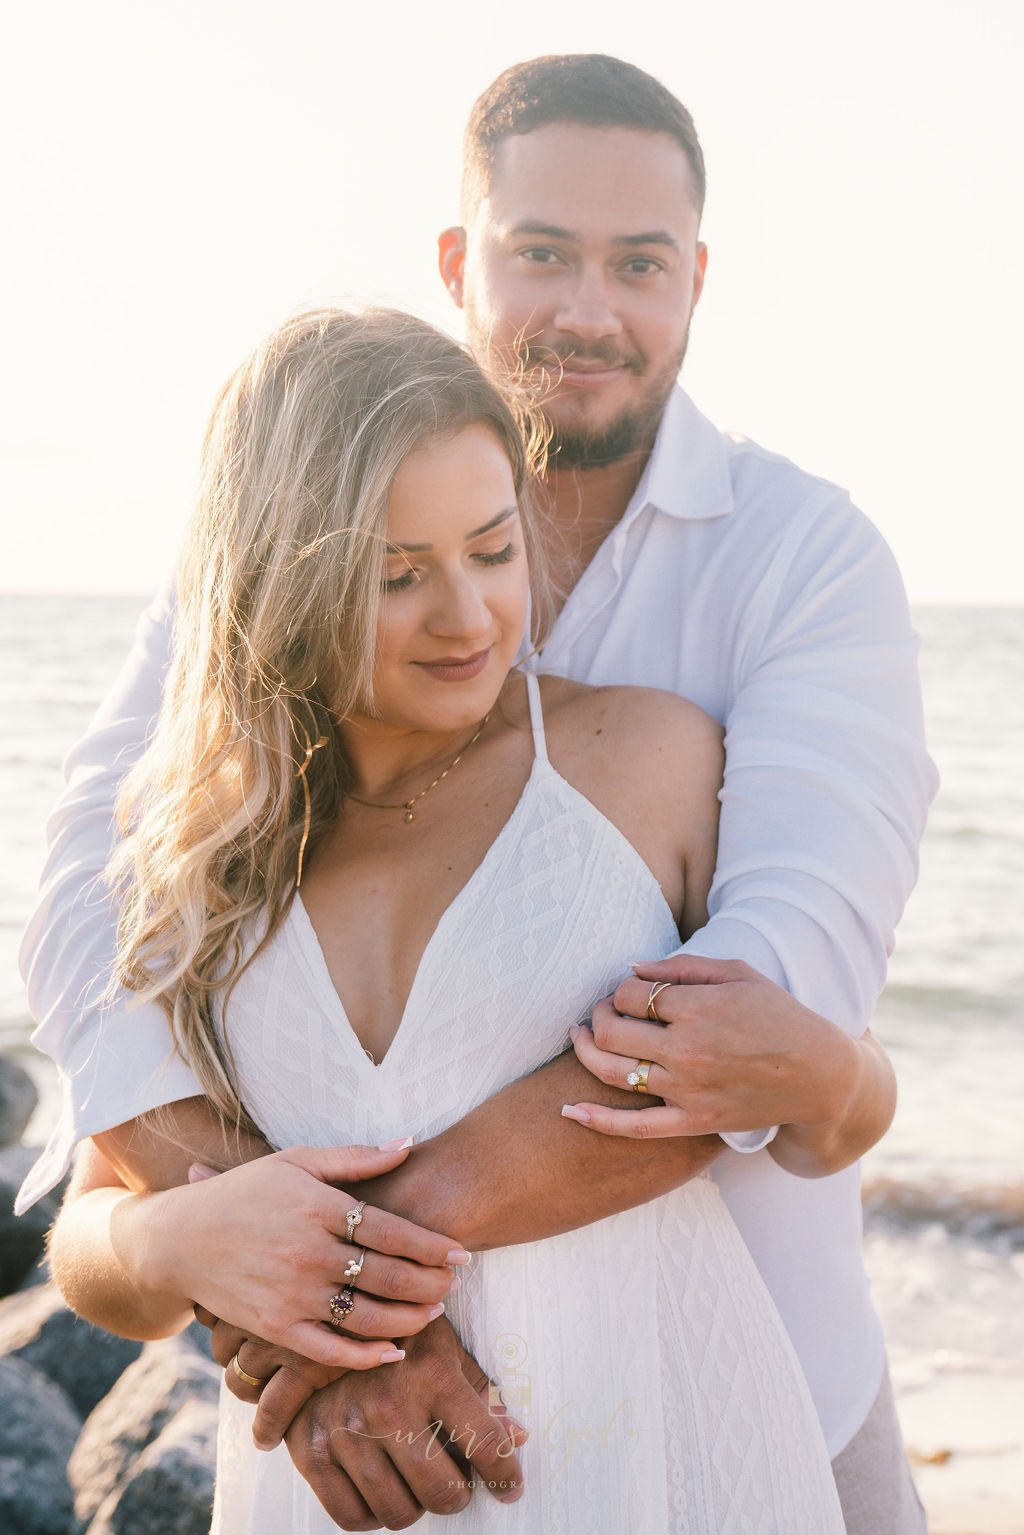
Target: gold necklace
407,805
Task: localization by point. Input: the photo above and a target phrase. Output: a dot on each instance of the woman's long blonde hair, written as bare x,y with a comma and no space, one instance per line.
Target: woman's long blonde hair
279,594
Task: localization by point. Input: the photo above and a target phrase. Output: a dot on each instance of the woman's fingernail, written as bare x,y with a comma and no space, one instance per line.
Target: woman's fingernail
199,1172
574,1032
573,1111
458,1256
456,1284
392,1355
398,1144
436,1311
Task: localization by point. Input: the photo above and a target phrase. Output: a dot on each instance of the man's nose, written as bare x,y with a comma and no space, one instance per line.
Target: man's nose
586,307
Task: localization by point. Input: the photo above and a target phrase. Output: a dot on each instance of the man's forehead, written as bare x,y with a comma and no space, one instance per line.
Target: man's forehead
567,175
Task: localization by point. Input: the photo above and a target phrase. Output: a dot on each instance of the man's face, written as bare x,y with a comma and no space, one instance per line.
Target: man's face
583,263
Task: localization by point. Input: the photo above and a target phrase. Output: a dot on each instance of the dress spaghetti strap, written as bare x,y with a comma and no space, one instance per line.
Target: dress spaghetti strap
540,745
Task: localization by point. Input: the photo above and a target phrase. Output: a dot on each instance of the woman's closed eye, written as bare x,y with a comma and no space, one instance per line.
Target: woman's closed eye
498,556
399,583
406,578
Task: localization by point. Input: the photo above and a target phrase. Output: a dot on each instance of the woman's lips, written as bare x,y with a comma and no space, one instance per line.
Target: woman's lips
451,669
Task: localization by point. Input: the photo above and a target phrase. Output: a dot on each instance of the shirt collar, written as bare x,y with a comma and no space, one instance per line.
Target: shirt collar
687,474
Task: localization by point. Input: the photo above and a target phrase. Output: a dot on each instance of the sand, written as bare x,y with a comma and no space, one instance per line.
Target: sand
965,1436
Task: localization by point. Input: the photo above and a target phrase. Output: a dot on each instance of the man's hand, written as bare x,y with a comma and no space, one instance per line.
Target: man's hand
736,1052
285,1381
382,1447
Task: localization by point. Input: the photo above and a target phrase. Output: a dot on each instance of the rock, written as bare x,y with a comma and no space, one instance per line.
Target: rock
169,1488
38,1429
167,1376
38,1274
21,1237
18,1098
40,1330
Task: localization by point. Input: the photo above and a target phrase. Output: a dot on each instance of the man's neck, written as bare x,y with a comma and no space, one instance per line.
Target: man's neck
587,503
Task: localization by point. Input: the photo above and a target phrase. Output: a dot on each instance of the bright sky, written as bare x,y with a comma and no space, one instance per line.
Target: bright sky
180,174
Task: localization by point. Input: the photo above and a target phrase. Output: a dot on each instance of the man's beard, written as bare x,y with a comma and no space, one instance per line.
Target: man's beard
577,446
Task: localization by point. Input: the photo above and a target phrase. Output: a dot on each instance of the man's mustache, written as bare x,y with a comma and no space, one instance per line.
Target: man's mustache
607,355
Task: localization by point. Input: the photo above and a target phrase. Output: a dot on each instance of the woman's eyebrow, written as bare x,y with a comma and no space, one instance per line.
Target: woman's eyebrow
510,511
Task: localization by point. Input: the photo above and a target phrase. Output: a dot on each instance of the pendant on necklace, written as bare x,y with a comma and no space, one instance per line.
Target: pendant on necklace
408,815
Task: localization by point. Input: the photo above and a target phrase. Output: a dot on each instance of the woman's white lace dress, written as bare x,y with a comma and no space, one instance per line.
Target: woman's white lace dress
643,1352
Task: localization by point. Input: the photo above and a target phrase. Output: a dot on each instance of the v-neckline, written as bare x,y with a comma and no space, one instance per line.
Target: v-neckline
299,919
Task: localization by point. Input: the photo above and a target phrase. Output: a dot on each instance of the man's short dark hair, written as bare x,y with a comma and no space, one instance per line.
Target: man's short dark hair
589,88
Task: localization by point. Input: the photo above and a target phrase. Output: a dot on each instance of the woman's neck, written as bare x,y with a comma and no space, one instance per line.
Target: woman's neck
391,761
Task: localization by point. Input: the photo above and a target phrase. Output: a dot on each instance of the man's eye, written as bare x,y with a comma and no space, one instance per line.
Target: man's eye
642,266
540,255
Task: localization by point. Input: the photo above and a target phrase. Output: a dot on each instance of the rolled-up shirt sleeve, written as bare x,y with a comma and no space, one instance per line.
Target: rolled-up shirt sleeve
827,781
115,1058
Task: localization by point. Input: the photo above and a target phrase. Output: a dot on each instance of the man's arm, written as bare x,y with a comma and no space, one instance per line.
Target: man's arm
68,950
826,794
511,1171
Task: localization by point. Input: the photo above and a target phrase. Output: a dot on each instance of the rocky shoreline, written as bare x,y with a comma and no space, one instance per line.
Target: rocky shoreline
99,1435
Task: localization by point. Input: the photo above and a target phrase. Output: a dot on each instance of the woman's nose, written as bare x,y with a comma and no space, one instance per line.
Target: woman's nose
461,610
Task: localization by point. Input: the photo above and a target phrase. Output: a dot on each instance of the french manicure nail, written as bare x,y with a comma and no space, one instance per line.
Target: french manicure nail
436,1311
398,1144
392,1355
458,1256
574,1032
199,1172
573,1111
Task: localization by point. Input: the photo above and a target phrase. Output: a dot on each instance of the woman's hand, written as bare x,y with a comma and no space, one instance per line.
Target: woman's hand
732,1051
264,1247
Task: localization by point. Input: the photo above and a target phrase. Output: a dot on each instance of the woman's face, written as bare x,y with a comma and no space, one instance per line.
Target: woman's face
457,593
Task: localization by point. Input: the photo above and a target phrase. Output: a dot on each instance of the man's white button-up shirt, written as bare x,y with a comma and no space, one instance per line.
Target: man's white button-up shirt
761,593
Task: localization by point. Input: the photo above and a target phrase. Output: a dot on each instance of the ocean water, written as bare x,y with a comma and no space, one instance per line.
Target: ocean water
944,1196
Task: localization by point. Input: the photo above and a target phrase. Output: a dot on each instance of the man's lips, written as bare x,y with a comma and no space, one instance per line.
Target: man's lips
456,668
584,372
579,377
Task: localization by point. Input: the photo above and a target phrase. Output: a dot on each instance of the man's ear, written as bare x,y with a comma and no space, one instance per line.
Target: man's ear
451,260
700,268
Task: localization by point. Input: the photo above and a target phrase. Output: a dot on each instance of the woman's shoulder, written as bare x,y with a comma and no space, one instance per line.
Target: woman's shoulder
637,717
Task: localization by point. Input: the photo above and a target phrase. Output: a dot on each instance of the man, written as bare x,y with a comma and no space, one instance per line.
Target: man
703,565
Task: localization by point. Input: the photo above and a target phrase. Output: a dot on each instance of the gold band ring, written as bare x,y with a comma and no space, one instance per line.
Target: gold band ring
355,1268
657,987
250,1380
637,1078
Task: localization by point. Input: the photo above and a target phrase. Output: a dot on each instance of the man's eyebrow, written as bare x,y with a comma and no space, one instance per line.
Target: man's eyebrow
495,522
556,232
649,237
548,231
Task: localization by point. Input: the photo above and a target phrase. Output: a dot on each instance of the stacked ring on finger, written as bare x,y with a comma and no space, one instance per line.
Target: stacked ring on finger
637,1078
341,1305
354,1218
656,990
355,1268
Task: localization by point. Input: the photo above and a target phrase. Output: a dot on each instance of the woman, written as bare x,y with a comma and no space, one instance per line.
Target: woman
375,873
